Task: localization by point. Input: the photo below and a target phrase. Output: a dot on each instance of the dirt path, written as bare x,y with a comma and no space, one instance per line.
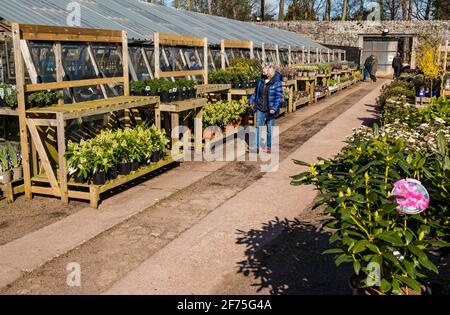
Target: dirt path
109,257
23,217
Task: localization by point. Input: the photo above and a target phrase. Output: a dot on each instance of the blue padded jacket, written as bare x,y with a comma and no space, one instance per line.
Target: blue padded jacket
275,92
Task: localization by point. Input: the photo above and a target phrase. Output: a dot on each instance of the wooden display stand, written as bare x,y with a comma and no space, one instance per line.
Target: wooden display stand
170,40
310,85
52,177
176,108
291,85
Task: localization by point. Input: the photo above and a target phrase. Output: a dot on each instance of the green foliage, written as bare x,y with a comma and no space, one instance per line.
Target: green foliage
112,147
222,113
154,86
4,159
240,70
9,94
356,189
44,98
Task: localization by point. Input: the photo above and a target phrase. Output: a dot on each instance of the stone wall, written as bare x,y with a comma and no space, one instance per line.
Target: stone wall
346,33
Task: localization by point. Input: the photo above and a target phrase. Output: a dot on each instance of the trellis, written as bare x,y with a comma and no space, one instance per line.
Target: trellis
52,177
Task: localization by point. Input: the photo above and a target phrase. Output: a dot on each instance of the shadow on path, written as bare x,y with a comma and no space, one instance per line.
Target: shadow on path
285,257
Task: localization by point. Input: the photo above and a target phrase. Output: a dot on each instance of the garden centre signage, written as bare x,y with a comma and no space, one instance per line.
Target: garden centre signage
413,198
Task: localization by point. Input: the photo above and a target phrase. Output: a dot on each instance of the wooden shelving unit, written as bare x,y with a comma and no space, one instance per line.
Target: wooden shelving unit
51,177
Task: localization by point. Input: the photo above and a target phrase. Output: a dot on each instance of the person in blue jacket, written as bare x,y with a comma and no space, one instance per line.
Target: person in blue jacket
267,101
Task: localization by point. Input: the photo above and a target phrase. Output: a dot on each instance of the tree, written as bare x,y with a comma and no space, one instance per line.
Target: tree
263,6
404,10
176,3
441,9
361,10
327,15
344,10
281,11
210,7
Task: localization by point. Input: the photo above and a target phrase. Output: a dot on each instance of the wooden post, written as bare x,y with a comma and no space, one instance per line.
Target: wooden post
156,55
222,53
445,56
413,52
309,54
26,55
126,74
20,88
125,62
263,53
328,56
277,52
59,67
252,54
147,63
62,160
94,64
289,55
303,55
205,61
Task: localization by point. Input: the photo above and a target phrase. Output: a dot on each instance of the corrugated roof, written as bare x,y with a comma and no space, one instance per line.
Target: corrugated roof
141,19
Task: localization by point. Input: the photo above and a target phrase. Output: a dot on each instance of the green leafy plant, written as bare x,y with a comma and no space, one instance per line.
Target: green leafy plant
4,163
356,190
222,113
14,156
44,98
112,147
9,94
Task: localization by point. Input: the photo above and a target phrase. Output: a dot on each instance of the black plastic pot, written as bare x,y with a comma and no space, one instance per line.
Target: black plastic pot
112,173
172,96
79,179
156,156
125,168
2,102
99,178
235,85
164,97
179,96
135,166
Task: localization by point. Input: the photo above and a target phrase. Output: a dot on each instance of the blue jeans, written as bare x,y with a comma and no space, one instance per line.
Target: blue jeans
366,73
261,119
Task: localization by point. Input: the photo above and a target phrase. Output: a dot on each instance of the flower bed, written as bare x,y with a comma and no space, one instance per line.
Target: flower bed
369,230
114,152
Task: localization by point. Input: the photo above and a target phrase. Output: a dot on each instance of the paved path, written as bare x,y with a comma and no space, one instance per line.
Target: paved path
200,259
32,251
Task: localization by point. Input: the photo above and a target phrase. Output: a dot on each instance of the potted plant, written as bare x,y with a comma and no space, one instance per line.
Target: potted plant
5,172
16,162
159,143
389,250
8,95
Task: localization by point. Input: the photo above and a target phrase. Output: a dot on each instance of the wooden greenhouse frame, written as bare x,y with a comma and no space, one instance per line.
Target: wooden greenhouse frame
237,44
53,180
270,50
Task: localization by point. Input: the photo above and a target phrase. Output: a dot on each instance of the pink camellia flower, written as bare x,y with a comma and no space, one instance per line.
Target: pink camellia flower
413,198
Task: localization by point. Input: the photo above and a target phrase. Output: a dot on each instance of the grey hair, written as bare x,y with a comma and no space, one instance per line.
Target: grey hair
271,68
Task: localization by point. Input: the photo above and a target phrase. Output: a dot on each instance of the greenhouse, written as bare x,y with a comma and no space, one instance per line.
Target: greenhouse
83,66
147,147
